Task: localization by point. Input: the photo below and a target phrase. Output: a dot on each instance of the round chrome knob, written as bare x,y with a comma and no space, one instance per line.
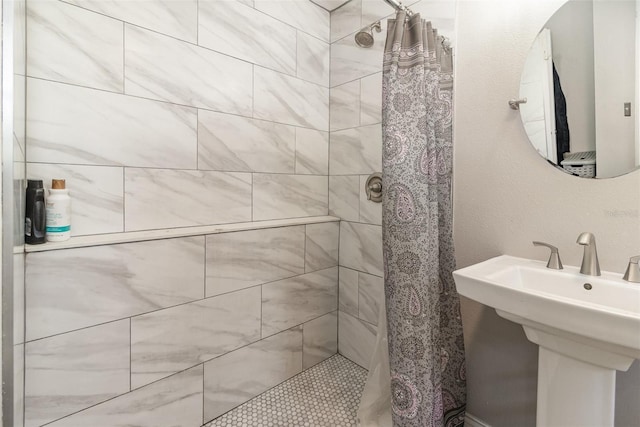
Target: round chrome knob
373,187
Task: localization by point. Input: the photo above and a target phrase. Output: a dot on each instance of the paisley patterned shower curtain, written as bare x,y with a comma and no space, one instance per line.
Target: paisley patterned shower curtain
426,348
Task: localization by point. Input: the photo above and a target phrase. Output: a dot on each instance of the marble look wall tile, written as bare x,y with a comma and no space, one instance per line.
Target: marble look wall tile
232,143
175,18
329,4
97,193
303,15
313,59
373,10
171,402
343,197
356,339
19,185
19,115
350,62
19,34
346,20
345,106
18,385
73,45
370,212
180,198
290,302
241,31
249,258
236,377
371,99
18,297
166,69
70,372
284,99
356,151
349,294
321,247
361,247
108,283
176,338
371,295
320,339
74,125
312,152
288,196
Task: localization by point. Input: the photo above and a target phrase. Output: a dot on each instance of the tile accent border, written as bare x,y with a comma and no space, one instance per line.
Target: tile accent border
145,235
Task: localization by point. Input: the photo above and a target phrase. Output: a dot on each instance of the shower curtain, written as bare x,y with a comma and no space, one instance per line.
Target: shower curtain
425,343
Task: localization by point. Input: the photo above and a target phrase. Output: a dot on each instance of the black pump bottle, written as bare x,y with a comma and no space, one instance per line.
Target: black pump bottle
34,226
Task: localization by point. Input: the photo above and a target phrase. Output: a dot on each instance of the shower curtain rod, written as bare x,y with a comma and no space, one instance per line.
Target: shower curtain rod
399,6
446,43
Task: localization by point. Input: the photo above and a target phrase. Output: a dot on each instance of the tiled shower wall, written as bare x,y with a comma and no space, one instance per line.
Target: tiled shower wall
164,114
167,113
356,152
175,331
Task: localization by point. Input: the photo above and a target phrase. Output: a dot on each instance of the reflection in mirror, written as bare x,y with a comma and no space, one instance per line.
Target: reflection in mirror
581,80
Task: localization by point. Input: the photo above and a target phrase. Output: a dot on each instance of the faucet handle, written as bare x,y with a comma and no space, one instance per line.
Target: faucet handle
554,259
633,270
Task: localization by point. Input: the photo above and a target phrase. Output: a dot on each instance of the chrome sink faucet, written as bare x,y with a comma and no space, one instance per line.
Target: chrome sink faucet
590,265
554,262
633,270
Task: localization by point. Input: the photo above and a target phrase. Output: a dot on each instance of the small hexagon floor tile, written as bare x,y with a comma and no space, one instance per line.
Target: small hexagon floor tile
326,395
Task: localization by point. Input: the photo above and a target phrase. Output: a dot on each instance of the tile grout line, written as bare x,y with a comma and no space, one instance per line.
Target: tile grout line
197,20
203,399
180,305
173,103
188,231
130,353
124,57
261,312
187,170
124,200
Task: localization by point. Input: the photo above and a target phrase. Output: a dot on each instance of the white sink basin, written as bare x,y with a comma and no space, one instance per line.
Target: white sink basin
587,327
607,315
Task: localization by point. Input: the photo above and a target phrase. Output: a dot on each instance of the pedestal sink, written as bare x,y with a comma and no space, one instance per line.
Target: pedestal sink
586,328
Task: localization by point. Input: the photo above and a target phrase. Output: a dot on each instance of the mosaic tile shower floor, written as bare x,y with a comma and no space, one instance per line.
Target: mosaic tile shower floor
326,395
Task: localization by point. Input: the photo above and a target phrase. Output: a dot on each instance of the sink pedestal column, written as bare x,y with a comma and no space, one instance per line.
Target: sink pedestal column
573,393
576,378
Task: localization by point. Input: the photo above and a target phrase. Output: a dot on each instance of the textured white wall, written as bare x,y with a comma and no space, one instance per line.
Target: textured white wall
506,196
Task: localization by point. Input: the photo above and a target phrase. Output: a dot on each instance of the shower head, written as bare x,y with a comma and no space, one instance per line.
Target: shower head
364,37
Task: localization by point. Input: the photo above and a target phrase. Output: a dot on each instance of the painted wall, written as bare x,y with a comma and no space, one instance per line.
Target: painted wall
506,196
356,152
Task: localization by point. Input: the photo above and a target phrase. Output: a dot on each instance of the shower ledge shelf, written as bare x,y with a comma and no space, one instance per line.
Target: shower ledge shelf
139,236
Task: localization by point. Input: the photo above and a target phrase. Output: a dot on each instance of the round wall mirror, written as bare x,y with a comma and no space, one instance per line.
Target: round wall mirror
581,81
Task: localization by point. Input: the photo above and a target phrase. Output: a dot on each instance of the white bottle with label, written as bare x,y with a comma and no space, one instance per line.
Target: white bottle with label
58,209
